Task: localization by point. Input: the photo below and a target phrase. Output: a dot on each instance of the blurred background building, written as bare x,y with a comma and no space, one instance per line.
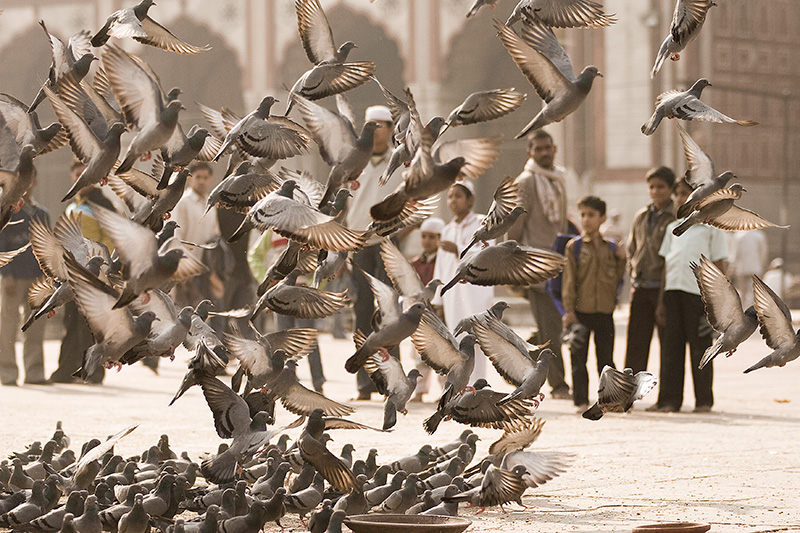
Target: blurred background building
748,50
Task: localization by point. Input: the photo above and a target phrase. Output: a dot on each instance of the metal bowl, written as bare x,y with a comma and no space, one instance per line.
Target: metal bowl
673,527
405,523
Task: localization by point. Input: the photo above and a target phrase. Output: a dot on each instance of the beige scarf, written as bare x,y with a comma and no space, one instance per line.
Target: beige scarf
550,189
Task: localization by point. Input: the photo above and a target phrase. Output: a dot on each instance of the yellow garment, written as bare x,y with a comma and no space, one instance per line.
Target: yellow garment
89,226
590,284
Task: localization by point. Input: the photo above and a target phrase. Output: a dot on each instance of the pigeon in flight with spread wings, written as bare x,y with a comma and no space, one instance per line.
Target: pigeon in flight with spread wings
700,173
562,13
618,390
776,327
687,21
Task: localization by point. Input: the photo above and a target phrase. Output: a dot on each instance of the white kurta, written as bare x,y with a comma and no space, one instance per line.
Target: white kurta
193,226
464,299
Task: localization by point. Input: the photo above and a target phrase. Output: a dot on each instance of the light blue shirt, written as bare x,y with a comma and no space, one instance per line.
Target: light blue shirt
679,251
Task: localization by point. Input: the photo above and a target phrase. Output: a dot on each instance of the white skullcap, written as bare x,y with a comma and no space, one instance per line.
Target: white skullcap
432,225
378,112
467,185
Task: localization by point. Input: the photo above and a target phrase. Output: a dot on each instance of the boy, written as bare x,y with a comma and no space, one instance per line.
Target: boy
683,313
591,276
646,267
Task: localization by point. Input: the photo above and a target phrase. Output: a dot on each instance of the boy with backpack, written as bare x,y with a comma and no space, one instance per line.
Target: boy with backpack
591,279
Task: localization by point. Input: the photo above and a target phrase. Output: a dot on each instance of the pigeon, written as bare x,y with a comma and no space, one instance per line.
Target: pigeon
400,501
618,390
507,263
183,148
259,134
15,183
466,324
502,214
412,215
404,277
391,381
295,220
159,208
723,309
718,210
316,34
329,78
52,520
515,437
700,174
134,22
242,189
444,508
329,268
232,420
547,66
252,522
299,301
687,105
166,334
499,486
395,324
562,13
24,128
275,507
147,266
484,105
687,21
776,327
340,147
300,400
67,60
144,106
256,355
314,452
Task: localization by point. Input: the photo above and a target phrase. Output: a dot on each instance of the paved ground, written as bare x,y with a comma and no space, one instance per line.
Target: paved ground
735,468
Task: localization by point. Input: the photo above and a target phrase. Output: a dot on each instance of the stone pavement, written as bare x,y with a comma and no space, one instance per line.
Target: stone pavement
736,467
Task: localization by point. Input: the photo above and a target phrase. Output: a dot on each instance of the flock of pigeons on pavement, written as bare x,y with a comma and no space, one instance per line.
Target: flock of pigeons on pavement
124,295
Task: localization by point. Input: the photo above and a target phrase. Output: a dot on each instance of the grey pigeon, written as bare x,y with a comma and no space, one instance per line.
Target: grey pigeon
618,390
533,379
299,301
275,507
547,66
319,518
26,129
687,21
441,479
340,147
66,59
252,522
328,465
355,502
335,522
719,210
482,106
776,327
502,214
375,496
330,78
147,266
395,324
242,189
16,182
499,486
400,501
53,519
507,263
183,148
686,105
445,508
166,334
426,503
700,174
391,381
562,13
298,399
723,309
539,466
34,507
256,355
466,324
153,213
298,221
100,155
316,34
404,277
514,438
134,22
67,525
261,135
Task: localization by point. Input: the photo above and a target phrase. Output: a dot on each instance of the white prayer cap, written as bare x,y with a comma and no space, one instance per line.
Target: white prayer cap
378,112
467,184
432,225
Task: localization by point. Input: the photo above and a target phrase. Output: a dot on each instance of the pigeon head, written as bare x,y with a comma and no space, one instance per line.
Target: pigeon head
546,355
260,420
472,439
170,113
344,49
168,230
751,312
50,131
116,130
413,374
370,126
498,308
265,106
94,264
737,189
516,212
170,260
519,470
725,177
479,384
467,343
198,138
145,320
698,87
203,308
82,65
287,188
435,125
415,311
141,9
586,78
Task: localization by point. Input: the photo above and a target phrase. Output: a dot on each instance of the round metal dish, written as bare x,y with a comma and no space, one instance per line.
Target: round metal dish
673,527
405,523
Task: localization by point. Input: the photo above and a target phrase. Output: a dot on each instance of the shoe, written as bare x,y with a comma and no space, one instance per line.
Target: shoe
561,395
656,408
38,382
9,383
702,409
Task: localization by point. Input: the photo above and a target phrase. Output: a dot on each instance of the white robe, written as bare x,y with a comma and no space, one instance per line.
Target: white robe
464,299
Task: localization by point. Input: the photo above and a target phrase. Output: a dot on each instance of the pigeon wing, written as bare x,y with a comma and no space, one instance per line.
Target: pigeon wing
160,37
740,219
315,31
774,316
435,344
231,414
723,305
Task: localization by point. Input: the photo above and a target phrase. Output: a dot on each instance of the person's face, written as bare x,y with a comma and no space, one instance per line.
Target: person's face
430,241
659,192
380,139
200,182
458,201
543,152
591,219
681,194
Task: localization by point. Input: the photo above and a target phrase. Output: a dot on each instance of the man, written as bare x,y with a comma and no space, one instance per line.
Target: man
646,267
749,254
368,193
16,279
542,194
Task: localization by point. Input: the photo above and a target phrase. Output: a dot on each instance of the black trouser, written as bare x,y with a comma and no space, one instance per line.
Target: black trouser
548,321
685,316
641,322
602,325
77,339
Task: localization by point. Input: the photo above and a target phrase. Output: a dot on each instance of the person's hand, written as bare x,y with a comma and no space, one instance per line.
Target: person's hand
449,246
661,315
568,319
217,287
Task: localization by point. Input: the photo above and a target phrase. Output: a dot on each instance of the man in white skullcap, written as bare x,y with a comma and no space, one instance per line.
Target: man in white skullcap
368,193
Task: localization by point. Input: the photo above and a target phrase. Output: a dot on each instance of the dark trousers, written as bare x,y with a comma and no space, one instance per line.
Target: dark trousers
77,339
369,259
641,323
602,325
284,322
685,316
548,321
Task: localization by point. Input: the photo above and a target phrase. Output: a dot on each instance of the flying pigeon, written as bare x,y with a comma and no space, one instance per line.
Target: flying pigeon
687,21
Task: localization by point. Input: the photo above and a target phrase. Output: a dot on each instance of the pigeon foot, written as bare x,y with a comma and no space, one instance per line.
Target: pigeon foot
17,206
147,156
675,57
167,215
384,354
104,181
51,313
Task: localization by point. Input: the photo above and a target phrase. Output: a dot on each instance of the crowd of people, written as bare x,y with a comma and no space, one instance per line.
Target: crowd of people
566,312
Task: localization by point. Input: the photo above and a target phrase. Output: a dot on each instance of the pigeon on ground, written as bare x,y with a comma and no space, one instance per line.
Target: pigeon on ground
776,327
686,105
299,301
687,21
499,486
547,66
134,22
723,309
146,265
252,522
562,13
618,390
507,263
700,174
400,501
502,214
718,210
395,324
444,508
328,465
484,105
391,381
